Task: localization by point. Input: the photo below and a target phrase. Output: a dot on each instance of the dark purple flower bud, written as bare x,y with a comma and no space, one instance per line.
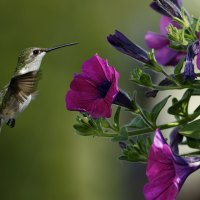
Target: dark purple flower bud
94,90
192,51
162,11
166,171
175,139
151,93
178,3
122,145
124,45
122,99
163,53
167,7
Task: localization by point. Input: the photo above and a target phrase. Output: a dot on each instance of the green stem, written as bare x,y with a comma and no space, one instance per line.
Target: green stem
160,88
152,128
164,126
145,119
161,127
192,33
108,135
171,79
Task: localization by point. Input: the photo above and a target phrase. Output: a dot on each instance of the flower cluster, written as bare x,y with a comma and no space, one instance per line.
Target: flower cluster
95,90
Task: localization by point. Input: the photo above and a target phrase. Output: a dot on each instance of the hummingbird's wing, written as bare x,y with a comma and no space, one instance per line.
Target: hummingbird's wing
2,94
21,86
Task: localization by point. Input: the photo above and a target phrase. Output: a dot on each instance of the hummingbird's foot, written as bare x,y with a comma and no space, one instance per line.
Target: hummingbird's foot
11,123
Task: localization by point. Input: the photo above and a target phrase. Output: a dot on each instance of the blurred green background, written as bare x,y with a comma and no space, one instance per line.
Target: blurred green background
42,158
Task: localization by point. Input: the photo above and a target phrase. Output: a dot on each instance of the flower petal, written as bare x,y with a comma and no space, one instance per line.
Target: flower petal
113,90
100,108
177,58
198,61
97,69
156,40
166,171
164,23
161,189
81,83
82,102
165,55
79,101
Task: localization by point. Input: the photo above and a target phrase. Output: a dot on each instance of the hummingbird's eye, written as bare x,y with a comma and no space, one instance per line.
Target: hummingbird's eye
36,52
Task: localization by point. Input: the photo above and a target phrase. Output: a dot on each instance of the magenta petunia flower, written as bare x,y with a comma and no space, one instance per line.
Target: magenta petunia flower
96,89
166,171
163,53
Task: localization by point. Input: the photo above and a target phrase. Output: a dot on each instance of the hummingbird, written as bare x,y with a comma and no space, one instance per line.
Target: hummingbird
22,88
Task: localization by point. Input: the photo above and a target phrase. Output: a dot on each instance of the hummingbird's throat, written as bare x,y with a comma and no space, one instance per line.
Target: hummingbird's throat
33,65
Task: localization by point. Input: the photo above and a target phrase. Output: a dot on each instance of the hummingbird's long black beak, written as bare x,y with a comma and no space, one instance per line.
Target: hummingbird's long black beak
59,46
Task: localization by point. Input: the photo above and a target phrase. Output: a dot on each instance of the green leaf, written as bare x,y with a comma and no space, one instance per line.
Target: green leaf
196,24
197,110
154,65
196,92
137,150
176,37
178,68
193,143
135,107
145,79
180,108
116,117
174,100
123,136
105,123
134,157
157,109
137,123
87,126
191,130
141,78
147,114
85,131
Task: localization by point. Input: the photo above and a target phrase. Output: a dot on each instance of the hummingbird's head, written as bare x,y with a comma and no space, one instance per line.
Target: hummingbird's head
30,58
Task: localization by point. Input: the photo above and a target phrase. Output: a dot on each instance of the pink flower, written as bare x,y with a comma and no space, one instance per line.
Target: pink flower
166,171
95,89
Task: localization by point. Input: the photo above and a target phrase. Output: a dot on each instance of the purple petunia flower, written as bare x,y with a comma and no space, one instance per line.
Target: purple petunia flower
95,89
163,53
166,171
192,51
